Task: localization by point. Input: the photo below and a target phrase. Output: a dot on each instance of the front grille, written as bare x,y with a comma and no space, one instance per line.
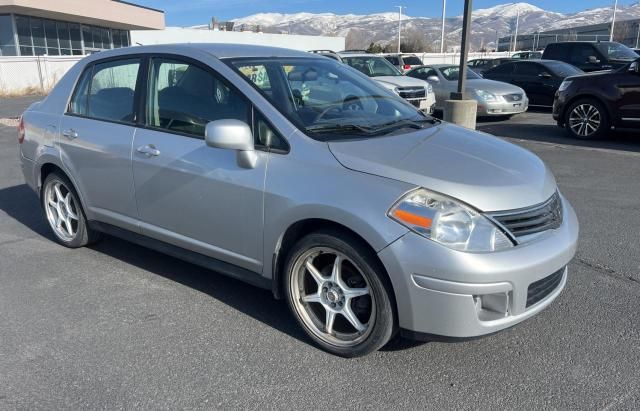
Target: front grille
513,97
532,220
540,289
412,92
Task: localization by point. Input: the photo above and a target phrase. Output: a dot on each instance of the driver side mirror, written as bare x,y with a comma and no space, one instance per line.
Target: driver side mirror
635,67
593,60
230,134
433,79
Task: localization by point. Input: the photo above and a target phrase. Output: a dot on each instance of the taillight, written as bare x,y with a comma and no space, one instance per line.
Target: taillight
21,130
406,66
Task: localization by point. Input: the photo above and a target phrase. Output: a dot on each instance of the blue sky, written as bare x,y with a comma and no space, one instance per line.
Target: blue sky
192,12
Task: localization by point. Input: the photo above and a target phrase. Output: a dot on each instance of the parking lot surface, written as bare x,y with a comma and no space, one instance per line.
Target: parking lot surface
118,326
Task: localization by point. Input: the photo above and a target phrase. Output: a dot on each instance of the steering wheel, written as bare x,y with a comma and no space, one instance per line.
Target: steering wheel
352,103
180,116
334,107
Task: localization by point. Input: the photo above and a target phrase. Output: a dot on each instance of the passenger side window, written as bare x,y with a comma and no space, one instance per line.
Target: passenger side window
580,53
183,97
106,91
393,60
503,69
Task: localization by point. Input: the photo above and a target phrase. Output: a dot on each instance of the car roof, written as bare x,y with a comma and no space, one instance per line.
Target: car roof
341,54
219,50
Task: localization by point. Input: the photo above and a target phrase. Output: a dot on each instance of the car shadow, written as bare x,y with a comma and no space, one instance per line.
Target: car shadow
21,203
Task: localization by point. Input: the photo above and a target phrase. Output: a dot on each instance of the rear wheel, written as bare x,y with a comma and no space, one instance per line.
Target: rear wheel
587,119
337,292
64,213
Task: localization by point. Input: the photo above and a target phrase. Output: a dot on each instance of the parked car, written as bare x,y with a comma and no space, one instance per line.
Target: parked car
538,78
327,53
591,56
403,62
415,91
495,98
527,55
368,222
482,65
590,104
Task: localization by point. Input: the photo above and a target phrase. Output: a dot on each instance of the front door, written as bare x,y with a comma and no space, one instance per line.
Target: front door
628,83
537,81
96,136
188,194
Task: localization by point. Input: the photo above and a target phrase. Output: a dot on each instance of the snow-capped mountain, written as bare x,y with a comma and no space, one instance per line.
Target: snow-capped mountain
487,24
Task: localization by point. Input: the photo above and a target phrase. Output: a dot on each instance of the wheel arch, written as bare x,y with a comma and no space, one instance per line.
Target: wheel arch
48,167
299,229
586,96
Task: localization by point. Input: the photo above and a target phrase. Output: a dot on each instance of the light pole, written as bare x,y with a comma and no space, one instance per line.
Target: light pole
444,12
515,38
638,37
613,19
399,24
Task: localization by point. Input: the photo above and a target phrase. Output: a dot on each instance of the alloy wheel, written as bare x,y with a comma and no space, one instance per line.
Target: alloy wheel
332,297
585,119
61,210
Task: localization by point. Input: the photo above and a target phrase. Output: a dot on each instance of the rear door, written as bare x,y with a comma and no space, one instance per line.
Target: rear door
96,135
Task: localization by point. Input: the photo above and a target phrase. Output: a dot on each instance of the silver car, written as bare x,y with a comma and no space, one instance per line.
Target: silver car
495,98
368,221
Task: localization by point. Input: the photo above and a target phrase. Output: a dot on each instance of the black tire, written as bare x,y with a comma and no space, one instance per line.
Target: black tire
576,109
384,326
84,235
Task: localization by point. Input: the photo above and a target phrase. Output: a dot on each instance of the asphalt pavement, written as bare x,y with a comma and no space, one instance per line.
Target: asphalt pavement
116,326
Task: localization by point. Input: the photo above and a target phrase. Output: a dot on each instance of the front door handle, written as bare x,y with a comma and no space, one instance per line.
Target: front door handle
149,150
70,134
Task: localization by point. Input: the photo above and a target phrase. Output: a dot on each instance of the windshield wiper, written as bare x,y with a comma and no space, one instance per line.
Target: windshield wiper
337,128
417,124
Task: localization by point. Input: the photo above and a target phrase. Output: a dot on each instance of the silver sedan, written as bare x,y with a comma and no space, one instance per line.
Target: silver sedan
299,174
495,98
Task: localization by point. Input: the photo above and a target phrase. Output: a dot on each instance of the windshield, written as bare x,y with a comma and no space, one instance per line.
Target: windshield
328,100
616,51
452,73
563,69
372,66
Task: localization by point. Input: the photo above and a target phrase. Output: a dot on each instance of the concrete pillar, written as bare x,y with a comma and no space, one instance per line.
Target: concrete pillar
461,112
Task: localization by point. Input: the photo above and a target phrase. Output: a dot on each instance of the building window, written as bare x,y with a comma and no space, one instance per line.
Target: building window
7,41
38,36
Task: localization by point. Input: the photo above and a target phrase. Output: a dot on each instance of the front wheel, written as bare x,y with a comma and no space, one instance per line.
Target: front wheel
586,119
338,293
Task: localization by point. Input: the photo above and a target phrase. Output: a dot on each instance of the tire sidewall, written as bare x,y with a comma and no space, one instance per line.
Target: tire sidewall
604,120
81,237
384,325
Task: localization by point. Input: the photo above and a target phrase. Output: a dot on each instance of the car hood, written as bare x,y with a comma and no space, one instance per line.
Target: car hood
481,170
492,86
401,81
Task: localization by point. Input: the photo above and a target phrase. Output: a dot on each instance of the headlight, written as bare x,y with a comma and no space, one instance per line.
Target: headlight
429,88
448,222
486,96
564,85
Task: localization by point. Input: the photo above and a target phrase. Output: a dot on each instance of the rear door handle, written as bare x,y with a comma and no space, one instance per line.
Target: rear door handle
149,150
70,134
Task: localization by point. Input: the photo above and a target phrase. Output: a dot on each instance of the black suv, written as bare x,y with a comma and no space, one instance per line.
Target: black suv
589,105
589,55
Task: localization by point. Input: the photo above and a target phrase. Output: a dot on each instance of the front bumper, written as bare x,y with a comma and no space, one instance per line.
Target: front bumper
444,292
559,103
502,108
426,104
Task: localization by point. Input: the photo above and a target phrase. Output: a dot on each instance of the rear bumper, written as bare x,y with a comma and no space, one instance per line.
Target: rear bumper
450,293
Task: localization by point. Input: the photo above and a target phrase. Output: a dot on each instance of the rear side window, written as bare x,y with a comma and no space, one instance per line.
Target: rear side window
184,97
529,69
555,52
412,60
106,91
502,69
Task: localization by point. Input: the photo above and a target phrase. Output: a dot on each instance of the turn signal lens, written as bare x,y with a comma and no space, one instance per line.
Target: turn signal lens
413,219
